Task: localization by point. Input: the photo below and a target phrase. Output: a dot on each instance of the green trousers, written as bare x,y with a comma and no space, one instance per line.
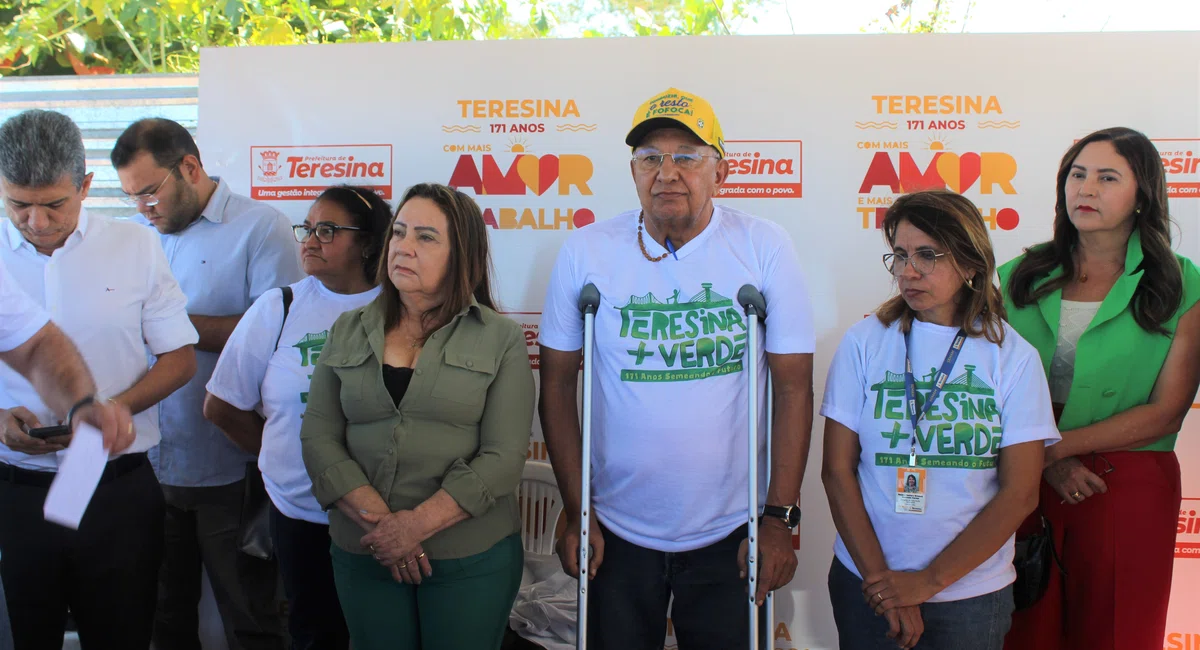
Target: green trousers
464,605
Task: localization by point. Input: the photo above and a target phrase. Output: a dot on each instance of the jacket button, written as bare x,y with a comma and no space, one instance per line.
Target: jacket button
1109,392
470,364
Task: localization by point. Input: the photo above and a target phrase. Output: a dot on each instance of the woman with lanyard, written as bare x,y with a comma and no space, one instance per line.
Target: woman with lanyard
1112,311
259,389
936,387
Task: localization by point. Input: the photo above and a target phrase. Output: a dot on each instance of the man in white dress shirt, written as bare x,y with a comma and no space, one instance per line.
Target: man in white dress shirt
225,250
41,353
107,285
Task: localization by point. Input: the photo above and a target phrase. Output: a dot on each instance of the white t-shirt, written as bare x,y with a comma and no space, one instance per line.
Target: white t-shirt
996,396
669,457
253,374
20,316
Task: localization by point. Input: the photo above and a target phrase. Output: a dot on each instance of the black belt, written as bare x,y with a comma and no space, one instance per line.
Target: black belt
115,469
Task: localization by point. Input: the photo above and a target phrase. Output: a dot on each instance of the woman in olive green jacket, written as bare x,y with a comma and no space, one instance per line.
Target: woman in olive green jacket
1111,311
417,427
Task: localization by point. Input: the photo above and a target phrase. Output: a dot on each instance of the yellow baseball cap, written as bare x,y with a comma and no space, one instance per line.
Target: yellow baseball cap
676,108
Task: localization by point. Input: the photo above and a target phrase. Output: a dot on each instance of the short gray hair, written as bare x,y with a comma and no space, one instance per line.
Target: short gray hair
37,147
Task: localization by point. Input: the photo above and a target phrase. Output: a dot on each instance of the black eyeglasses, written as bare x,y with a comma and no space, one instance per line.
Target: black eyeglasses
324,231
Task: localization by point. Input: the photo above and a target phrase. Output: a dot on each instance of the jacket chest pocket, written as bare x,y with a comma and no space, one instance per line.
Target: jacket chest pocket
464,379
360,385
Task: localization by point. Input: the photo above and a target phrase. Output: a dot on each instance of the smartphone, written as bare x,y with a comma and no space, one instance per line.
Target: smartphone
49,432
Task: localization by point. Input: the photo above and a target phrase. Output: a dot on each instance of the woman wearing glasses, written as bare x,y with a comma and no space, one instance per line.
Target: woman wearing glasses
1111,310
930,558
259,389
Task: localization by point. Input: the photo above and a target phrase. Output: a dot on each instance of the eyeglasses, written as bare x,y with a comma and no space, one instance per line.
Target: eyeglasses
648,162
922,262
324,231
148,200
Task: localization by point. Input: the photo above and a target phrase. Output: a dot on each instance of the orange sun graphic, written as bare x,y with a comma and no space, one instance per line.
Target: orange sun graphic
518,145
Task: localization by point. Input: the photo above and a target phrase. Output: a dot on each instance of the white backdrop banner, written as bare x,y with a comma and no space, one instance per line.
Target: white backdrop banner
824,132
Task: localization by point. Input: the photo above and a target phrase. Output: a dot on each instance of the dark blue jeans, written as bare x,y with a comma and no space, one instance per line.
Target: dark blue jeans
627,604
978,623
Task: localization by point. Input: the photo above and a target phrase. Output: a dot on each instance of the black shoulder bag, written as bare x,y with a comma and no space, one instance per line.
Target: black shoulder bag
254,534
1034,559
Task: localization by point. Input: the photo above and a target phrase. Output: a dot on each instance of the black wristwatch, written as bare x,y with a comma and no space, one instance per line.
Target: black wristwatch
86,401
789,514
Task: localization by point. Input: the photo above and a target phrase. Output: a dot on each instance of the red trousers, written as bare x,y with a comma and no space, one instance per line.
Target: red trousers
1118,550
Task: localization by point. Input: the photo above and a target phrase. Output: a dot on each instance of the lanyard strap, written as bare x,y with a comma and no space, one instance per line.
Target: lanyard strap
910,387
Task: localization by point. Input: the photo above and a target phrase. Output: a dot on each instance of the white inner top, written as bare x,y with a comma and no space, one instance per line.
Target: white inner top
1073,321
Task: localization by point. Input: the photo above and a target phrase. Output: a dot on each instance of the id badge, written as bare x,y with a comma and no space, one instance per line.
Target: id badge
910,490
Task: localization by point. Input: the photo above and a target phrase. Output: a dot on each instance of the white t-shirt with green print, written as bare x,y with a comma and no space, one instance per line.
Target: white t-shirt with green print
255,375
996,397
669,449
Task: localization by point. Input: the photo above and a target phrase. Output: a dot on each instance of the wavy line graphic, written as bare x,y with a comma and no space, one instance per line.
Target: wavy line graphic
576,127
460,129
876,125
999,124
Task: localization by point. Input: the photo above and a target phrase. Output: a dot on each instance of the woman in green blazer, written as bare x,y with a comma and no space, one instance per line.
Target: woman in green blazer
1110,309
416,432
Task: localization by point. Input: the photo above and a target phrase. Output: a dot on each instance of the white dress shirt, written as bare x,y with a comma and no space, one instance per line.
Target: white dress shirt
20,316
110,289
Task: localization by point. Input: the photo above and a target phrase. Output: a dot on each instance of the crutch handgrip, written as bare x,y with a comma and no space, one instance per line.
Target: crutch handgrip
589,298
751,299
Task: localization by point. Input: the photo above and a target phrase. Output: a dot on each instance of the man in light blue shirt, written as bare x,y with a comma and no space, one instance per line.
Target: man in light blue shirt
225,250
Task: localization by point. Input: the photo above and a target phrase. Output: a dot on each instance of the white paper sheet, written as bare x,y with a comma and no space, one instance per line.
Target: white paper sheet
79,471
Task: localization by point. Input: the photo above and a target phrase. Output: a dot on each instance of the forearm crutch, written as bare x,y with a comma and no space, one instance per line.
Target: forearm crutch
755,305
589,302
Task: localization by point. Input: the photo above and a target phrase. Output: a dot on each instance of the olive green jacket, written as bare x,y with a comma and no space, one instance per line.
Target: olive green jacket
462,426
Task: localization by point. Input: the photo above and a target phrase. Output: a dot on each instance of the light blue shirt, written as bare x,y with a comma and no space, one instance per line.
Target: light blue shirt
237,249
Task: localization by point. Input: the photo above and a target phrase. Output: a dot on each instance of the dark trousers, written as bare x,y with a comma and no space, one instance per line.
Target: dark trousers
627,606
315,619
202,526
105,572
978,623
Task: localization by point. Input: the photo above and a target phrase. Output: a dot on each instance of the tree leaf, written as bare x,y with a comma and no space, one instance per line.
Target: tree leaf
270,30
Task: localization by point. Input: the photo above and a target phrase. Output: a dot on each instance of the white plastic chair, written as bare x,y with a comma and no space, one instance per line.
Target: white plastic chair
541,505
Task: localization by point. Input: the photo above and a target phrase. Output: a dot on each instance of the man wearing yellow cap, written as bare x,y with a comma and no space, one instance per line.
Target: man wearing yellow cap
669,455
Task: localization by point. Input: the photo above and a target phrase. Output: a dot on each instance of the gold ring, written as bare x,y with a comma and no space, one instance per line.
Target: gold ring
404,564
421,556
879,596
1077,494
130,432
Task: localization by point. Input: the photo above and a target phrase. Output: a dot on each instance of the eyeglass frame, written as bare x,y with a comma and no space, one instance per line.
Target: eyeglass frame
907,259
144,199
310,231
640,159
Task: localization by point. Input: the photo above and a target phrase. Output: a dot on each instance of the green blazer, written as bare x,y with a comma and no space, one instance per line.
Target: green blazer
1116,362
462,426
